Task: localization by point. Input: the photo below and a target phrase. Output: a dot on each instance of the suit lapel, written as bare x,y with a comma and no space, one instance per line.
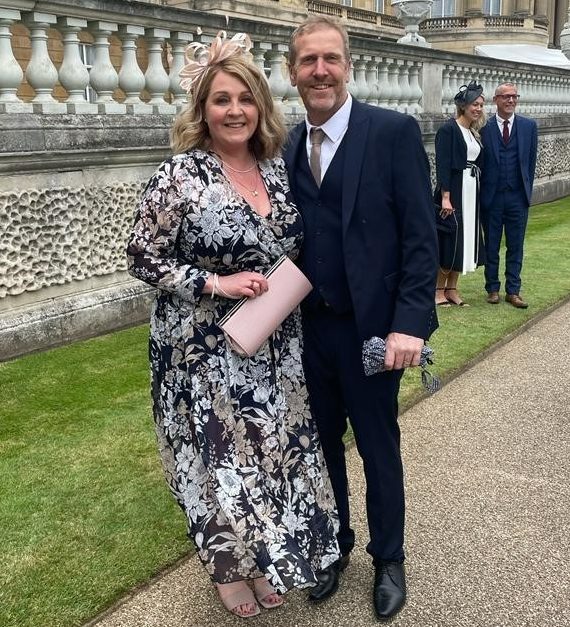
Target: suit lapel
495,137
355,138
291,151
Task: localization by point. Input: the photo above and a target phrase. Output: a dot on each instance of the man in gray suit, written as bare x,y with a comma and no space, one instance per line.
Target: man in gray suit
507,177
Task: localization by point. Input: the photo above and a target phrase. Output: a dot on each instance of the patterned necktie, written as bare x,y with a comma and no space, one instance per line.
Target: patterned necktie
506,132
317,136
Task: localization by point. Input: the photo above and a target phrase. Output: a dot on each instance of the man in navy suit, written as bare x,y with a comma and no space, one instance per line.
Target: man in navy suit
360,177
509,161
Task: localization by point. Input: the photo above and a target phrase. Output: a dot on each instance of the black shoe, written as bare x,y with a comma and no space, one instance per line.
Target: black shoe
389,589
328,580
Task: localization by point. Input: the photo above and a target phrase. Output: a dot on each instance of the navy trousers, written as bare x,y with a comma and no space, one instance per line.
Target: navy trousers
339,388
508,211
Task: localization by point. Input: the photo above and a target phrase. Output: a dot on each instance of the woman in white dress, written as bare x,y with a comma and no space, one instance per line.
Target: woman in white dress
457,156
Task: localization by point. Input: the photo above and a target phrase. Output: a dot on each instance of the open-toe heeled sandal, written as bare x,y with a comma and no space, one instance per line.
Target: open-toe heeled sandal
263,593
234,599
443,303
454,302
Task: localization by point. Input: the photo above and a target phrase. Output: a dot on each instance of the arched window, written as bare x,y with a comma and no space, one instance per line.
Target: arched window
492,7
443,8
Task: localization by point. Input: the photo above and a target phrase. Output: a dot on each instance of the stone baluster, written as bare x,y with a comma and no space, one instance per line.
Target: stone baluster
41,72
446,93
12,75
259,50
372,81
453,88
278,83
103,76
416,93
384,88
395,91
156,78
404,84
522,87
352,85
178,41
360,77
131,77
73,74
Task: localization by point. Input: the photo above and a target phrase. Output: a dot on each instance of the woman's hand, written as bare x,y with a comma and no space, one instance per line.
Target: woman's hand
446,207
238,285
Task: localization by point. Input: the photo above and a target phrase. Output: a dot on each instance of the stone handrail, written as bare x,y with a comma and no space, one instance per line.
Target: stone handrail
398,77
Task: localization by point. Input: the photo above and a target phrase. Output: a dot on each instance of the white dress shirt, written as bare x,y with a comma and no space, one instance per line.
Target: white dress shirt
334,130
510,120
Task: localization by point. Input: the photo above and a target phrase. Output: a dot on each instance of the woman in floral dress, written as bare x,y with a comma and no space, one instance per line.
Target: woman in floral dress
239,447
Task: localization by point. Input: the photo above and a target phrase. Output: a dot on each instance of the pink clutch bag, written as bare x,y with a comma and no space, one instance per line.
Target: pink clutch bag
253,320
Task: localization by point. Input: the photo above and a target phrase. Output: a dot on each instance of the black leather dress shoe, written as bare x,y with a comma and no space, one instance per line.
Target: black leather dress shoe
389,589
328,580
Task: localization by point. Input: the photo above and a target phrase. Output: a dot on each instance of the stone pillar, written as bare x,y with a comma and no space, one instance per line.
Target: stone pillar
540,9
522,8
565,37
473,8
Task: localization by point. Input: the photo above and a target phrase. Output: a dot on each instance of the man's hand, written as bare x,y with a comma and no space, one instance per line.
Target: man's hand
402,351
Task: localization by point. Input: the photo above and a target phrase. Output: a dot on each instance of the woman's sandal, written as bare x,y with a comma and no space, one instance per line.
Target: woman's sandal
266,594
443,303
238,599
454,302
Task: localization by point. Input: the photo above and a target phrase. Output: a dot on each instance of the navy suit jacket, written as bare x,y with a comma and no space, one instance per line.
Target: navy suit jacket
389,239
527,137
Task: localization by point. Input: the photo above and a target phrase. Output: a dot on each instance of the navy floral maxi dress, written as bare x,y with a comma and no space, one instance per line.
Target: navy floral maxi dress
239,448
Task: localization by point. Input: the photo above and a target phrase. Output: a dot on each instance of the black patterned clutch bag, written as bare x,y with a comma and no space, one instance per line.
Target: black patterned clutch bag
374,351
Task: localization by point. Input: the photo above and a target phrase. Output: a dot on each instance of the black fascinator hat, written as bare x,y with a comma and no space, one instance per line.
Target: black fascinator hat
468,93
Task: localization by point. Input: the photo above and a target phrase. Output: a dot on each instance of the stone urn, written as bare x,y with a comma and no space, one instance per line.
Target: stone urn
411,13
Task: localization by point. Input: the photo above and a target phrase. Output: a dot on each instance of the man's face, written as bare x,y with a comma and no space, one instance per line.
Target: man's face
506,100
320,73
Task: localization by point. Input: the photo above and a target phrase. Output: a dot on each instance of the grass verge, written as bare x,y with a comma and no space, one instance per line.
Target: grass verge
84,511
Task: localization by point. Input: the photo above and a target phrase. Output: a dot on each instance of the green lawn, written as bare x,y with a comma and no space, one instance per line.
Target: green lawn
85,514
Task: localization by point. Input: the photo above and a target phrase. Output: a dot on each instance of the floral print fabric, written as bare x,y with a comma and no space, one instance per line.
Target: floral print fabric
238,445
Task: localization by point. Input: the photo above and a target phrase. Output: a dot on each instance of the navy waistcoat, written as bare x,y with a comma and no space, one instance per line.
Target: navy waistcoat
322,259
509,171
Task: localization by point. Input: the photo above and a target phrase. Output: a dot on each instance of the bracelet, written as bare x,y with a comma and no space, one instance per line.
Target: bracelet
220,289
217,288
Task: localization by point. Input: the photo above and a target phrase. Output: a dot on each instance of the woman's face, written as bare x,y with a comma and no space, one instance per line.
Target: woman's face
474,110
230,112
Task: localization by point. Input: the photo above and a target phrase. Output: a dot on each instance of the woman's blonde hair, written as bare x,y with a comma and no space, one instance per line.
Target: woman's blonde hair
190,129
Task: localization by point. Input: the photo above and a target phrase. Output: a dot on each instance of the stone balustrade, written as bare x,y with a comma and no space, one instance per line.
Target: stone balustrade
115,83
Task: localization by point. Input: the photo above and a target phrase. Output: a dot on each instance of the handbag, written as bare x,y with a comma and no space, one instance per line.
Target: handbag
252,320
445,225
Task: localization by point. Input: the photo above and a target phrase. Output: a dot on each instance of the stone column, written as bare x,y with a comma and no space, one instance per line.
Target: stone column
540,8
473,8
565,37
522,8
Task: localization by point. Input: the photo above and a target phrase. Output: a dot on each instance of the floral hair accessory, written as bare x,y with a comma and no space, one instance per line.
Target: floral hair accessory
200,57
468,93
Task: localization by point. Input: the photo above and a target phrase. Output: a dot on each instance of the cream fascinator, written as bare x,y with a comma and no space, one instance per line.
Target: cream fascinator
200,57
